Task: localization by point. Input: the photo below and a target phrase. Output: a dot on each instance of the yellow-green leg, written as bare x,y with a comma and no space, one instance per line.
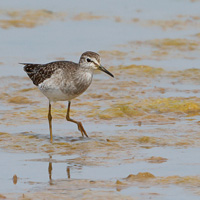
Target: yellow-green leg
79,124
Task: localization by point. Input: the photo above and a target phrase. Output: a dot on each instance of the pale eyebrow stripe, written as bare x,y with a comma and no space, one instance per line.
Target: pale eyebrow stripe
94,63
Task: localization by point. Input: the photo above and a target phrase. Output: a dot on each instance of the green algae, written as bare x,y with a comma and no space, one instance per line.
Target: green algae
110,189
141,176
95,146
147,140
147,106
87,16
28,18
176,105
119,111
192,75
154,159
41,113
178,24
114,54
178,180
20,100
142,70
27,89
178,44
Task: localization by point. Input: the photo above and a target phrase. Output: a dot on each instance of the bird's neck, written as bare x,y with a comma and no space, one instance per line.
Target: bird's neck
84,76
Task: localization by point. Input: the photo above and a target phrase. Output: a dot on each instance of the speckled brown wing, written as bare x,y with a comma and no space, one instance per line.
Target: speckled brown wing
40,72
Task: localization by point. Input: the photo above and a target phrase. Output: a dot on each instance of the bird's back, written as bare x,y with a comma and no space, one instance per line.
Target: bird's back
40,72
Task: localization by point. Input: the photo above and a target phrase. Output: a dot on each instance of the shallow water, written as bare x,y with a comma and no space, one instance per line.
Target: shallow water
143,126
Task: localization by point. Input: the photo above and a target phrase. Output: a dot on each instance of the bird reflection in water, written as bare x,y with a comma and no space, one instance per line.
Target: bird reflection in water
68,172
50,170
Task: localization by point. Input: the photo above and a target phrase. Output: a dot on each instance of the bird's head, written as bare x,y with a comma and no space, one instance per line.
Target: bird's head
92,60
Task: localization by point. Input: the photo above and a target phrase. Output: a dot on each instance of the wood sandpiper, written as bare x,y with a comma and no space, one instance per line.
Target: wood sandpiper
64,81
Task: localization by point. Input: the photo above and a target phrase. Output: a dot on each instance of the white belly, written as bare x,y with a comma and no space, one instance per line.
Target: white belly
52,89
57,88
54,94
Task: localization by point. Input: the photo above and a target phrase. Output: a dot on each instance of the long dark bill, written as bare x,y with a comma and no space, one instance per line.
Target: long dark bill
103,69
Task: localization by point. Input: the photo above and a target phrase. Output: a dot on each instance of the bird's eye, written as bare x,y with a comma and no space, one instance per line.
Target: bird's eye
89,60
